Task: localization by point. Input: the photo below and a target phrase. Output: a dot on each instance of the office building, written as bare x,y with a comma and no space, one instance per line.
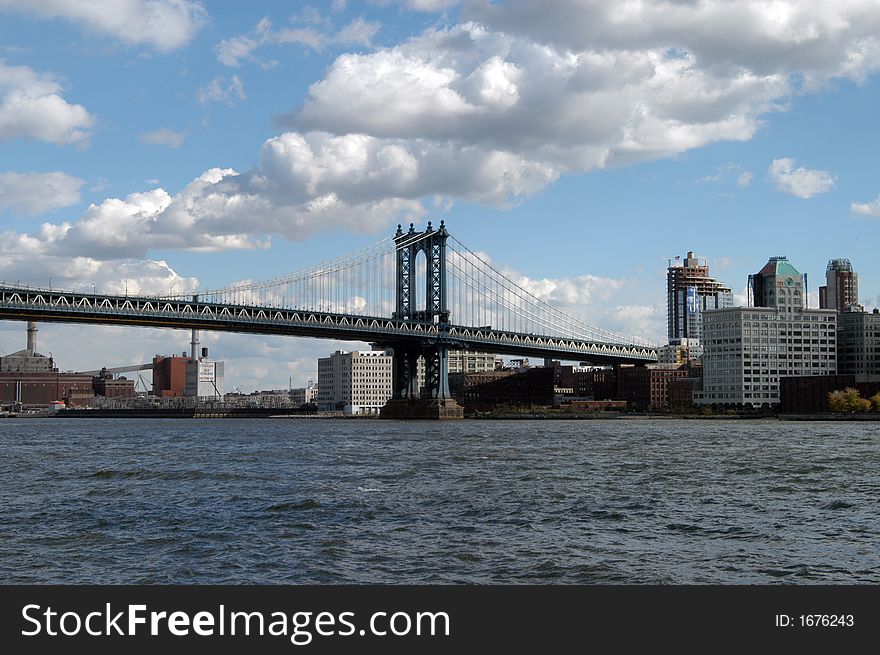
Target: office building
357,382
841,286
689,292
858,342
748,349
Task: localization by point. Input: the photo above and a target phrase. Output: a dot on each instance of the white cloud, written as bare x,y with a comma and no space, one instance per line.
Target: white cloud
866,208
162,24
611,83
163,137
468,84
816,38
801,182
220,90
310,30
33,263
612,303
745,179
423,5
725,171
36,193
31,107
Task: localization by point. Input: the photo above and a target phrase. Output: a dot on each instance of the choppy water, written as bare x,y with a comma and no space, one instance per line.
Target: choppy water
338,501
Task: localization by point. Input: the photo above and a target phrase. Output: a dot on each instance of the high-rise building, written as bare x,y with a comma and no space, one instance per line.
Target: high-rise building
841,286
778,285
858,343
690,291
357,382
748,349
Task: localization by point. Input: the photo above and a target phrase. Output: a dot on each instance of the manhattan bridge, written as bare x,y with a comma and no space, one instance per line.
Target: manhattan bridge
418,294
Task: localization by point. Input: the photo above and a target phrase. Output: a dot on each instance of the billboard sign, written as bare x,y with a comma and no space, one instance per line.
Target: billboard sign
206,371
693,300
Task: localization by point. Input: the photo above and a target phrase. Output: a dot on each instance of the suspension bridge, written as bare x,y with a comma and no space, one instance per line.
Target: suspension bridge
418,293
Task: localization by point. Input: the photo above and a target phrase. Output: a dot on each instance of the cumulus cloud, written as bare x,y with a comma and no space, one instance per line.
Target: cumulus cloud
228,92
164,25
35,263
593,85
596,109
866,208
492,110
163,137
801,182
31,107
817,39
29,194
310,31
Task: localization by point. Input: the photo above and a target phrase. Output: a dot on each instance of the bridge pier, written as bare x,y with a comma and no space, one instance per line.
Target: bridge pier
422,408
434,402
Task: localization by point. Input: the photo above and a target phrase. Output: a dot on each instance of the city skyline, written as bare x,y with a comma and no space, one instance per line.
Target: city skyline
733,155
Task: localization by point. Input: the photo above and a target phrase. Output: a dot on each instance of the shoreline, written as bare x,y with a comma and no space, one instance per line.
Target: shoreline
263,413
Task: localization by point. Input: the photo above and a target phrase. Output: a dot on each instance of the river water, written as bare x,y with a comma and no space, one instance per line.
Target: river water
372,501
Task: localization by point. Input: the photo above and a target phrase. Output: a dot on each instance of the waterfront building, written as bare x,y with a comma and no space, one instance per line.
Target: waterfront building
27,360
689,292
356,382
858,342
30,378
647,387
523,386
466,361
204,379
109,387
307,395
182,376
169,376
747,350
809,395
841,286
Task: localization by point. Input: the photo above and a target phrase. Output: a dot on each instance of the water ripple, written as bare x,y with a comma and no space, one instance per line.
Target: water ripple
288,501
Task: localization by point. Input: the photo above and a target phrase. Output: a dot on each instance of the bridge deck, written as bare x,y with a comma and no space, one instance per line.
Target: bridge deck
71,307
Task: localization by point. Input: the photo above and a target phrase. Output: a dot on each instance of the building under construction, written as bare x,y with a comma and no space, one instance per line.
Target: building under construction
690,291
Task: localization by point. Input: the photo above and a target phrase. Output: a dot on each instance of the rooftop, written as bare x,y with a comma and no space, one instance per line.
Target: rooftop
778,266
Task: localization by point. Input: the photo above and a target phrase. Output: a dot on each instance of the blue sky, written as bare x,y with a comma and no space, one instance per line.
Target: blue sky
581,148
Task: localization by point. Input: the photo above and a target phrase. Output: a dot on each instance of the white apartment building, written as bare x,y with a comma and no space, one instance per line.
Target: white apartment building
357,382
747,349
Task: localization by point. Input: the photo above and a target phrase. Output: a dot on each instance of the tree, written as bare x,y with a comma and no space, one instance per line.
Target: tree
875,402
848,401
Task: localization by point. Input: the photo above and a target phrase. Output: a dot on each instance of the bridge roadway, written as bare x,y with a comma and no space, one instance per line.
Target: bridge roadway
27,304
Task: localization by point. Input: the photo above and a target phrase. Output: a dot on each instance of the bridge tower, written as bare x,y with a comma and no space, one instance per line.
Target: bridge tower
433,401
